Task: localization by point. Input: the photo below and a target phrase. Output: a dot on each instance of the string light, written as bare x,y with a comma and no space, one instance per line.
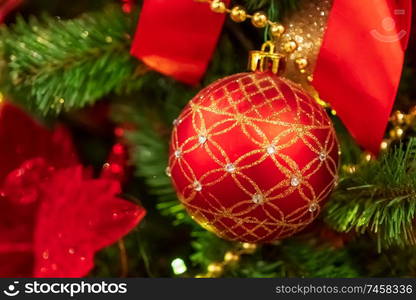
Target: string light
178,266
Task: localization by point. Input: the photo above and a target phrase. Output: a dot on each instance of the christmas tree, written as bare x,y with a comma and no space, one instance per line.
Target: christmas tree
107,172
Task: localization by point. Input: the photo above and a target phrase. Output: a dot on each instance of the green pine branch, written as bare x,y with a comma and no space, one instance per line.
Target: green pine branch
152,159
295,258
307,260
149,144
379,199
53,65
285,259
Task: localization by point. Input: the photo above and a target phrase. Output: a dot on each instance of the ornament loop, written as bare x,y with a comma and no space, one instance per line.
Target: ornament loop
270,45
266,59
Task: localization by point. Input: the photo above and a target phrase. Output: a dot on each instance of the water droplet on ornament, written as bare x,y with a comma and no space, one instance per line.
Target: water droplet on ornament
271,150
322,156
197,186
45,254
313,207
178,153
118,149
20,172
202,139
115,215
82,258
294,181
167,171
230,168
257,198
71,251
116,168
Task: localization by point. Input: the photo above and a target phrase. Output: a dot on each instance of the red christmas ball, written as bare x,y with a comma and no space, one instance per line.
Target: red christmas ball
253,158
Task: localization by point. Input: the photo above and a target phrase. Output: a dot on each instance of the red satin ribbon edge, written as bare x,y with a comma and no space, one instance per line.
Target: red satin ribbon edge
363,97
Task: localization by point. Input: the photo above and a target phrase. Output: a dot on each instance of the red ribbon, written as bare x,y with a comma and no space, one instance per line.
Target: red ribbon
177,38
7,6
360,63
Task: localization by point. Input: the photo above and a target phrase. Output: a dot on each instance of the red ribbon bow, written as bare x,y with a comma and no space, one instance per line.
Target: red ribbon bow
177,38
358,69
360,63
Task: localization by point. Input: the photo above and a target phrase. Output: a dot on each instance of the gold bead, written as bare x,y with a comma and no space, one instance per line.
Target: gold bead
399,132
231,257
301,63
238,14
351,169
384,145
218,6
367,157
277,30
249,248
398,118
309,78
215,269
396,133
259,19
290,46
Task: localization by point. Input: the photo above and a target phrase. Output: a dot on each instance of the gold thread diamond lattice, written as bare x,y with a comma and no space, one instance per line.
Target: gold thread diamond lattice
253,157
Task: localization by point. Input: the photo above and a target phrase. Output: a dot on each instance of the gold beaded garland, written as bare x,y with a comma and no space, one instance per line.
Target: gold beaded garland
401,122
216,269
238,14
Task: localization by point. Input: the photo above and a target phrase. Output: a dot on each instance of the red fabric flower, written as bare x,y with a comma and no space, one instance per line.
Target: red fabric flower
53,215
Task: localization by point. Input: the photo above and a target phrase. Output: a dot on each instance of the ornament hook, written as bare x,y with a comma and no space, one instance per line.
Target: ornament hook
267,59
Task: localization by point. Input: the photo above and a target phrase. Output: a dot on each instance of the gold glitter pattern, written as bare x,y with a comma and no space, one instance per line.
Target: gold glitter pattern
307,28
268,160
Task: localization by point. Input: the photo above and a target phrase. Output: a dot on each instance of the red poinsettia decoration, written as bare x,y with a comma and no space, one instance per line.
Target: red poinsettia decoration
53,215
